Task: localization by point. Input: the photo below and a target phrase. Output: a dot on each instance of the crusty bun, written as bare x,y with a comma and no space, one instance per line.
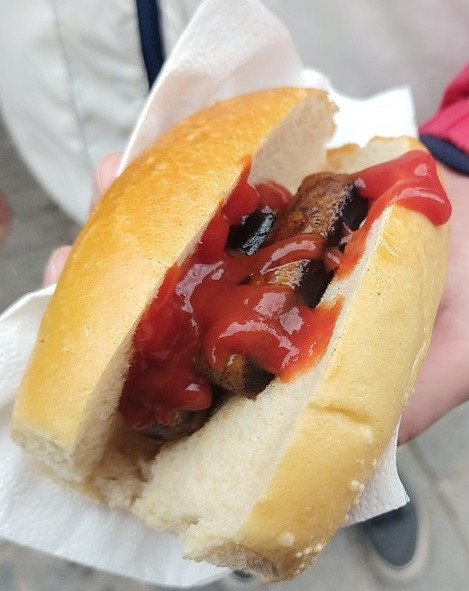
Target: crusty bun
264,484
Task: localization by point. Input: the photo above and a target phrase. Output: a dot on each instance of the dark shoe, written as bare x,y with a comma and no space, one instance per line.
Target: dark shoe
397,542
238,580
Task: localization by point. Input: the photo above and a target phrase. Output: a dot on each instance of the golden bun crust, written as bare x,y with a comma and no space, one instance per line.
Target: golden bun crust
351,157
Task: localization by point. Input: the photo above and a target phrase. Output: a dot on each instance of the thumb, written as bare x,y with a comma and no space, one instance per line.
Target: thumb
104,175
55,265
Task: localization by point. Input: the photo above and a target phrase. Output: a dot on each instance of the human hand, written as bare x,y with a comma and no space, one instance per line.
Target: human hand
443,382
104,175
5,217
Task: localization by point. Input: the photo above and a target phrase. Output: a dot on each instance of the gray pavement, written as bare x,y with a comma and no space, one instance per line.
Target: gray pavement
435,465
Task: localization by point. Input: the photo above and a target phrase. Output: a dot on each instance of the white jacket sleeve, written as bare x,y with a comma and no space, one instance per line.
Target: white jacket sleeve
72,82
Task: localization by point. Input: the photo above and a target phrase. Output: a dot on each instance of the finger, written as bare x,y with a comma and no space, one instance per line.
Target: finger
420,414
55,265
5,217
440,387
104,175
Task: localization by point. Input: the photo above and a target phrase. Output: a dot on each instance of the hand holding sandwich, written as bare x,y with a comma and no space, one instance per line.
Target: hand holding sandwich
443,382
356,239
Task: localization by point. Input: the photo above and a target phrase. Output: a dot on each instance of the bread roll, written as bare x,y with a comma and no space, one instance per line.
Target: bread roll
264,484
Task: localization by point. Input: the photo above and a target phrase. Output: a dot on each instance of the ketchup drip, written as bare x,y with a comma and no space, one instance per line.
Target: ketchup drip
411,180
205,306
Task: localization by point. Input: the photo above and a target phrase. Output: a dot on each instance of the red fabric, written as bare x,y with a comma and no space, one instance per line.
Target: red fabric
451,122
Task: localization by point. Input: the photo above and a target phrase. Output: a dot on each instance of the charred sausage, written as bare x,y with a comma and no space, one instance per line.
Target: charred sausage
327,205
323,204
184,423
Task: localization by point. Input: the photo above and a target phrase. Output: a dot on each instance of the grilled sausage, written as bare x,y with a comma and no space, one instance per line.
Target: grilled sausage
184,423
323,204
248,236
326,205
317,208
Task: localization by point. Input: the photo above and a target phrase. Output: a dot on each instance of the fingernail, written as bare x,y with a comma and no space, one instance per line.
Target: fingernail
105,175
55,265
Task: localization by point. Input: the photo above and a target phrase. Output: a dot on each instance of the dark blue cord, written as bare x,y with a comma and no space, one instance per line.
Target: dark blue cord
150,37
447,153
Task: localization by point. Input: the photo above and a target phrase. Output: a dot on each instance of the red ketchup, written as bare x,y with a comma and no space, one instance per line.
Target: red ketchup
410,180
204,307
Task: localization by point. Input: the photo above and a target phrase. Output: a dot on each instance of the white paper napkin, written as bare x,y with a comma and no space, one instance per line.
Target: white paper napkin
229,48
